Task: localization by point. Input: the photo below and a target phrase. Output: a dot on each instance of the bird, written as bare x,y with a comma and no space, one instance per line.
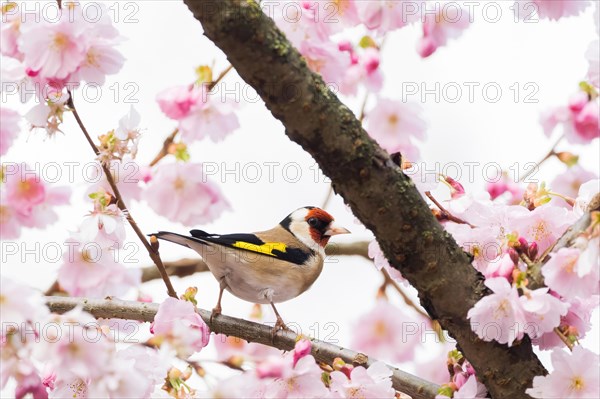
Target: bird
265,267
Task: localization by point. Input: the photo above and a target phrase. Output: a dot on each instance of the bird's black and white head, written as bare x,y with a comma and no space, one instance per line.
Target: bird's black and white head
313,226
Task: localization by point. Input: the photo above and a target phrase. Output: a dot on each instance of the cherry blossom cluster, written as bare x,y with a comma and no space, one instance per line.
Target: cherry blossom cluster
49,56
69,355
26,200
297,374
464,383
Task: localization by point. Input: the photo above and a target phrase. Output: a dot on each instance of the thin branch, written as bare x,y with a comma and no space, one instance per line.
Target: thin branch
328,197
363,107
549,155
534,271
188,266
389,281
154,255
164,151
445,213
563,338
414,386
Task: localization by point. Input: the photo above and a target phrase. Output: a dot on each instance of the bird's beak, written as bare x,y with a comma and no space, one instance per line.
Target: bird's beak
335,230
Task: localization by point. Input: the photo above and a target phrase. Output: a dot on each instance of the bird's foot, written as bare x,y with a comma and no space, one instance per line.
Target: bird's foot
215,312
279,325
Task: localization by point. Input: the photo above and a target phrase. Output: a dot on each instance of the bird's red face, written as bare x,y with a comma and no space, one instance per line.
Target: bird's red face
321,226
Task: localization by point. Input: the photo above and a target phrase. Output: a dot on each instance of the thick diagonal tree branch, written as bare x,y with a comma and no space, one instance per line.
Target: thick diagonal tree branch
380,195
247,330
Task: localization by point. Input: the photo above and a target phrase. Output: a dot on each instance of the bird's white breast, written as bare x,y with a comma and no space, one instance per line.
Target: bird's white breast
259,278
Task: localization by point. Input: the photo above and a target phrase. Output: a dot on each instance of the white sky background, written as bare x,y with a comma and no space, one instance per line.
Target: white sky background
165,45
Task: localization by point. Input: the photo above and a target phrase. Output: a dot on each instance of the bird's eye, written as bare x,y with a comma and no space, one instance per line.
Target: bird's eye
313,222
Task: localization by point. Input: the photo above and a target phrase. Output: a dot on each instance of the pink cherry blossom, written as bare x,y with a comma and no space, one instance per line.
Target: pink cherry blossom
372,383
579,119
385,15
105,226
9,129
586,193
27,200
505,190
483,244
54,50
307,20
544,225
364,69
76,347
48,113
471,389
229,347
441,26
19,303
542,311
182,193
388,333
553,10
326,59
209,117
568,183
593,56
89,270
575,375
299,380
127,174
245,385
498,316
10,30
133,373
380,261
586,122
32,384
561,273
101,59
183,328
394,125
578,318
177,102
301,349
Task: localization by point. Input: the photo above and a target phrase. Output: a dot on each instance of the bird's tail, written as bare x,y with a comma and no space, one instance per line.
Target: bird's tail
176,238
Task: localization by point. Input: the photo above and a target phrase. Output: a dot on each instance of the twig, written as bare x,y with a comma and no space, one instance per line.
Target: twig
328,197
164,151
534,273
389,281
549,155
363,107
121,204
445,213
189,266
414,386
563,338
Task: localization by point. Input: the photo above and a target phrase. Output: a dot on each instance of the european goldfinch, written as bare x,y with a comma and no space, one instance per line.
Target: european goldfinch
270,266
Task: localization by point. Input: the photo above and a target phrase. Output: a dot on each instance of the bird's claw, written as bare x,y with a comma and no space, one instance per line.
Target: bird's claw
279,325
215,312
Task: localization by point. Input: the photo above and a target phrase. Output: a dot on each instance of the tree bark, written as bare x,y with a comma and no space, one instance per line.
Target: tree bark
380,195
247,330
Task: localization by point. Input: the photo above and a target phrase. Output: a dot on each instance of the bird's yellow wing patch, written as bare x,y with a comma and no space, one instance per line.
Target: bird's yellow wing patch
266,249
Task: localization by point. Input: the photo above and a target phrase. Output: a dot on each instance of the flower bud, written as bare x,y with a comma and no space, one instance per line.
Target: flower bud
532,250
523,245
567,158
514,256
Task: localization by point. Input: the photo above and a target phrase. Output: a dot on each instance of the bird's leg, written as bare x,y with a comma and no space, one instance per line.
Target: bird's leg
217,309
279,324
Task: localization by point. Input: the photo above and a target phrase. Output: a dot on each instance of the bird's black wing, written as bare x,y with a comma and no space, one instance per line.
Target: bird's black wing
252,243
